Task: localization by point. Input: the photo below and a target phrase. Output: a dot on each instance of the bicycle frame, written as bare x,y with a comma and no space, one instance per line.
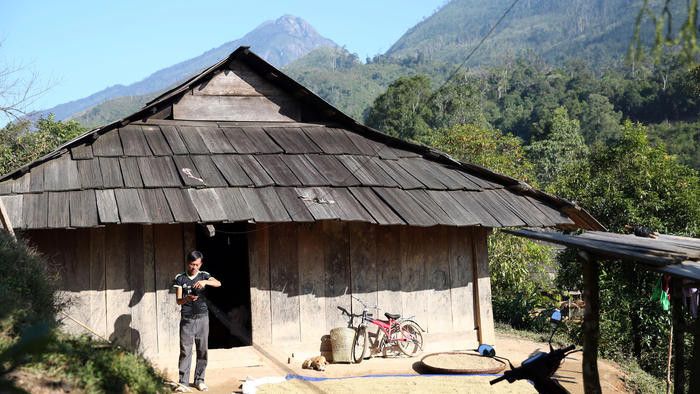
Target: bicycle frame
390,327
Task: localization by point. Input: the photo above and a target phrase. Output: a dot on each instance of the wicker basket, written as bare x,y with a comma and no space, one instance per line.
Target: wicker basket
462,363
341,344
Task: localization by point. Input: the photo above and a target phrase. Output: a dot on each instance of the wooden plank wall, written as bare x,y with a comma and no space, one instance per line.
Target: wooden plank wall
118,280
300,273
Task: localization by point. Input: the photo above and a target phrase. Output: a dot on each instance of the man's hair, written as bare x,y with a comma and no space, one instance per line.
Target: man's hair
194,255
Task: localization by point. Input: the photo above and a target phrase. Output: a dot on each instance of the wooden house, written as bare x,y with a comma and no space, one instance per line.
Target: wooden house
295,206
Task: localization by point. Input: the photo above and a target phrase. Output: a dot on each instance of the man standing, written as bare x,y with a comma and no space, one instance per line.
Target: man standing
194,319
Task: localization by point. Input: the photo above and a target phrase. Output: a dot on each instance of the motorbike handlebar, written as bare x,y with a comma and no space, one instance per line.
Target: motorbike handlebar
536,368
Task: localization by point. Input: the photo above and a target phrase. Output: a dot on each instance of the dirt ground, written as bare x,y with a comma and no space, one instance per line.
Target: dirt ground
229,368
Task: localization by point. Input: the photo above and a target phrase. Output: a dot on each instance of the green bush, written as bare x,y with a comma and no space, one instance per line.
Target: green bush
26,282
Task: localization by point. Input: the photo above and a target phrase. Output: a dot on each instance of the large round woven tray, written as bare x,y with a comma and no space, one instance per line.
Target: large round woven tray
461,363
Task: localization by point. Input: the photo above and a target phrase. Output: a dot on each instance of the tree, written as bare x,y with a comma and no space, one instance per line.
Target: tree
401,110
664,34
483,146
456,103
631,182
19,89
21,142
559,143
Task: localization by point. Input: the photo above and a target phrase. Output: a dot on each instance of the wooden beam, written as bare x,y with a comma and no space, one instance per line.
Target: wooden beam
483,310
5,219
591,323
678,337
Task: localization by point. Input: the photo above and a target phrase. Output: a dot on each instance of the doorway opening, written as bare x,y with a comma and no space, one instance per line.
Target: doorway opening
226,259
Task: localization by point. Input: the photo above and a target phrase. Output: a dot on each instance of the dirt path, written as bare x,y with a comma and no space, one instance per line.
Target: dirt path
228,369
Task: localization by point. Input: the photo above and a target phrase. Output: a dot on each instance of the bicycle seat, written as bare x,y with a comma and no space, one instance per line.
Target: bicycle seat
391,316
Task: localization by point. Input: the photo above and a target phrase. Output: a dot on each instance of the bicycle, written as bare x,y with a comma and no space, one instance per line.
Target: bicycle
403,332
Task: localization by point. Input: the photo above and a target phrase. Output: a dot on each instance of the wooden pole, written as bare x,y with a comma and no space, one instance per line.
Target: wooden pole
678,338
668,364
591,324
695,366
5,220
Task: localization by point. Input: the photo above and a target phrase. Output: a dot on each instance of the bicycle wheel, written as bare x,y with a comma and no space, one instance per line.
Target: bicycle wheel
412,342
359,345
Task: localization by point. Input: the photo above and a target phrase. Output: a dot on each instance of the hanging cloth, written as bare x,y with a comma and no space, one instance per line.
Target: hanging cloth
690,297
661,292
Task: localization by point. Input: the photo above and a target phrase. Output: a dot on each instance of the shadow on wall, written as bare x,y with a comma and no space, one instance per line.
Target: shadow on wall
124,334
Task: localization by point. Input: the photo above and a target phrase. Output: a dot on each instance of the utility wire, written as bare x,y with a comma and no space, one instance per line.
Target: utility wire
472,52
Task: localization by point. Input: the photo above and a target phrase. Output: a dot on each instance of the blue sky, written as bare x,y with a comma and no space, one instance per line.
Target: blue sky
81,47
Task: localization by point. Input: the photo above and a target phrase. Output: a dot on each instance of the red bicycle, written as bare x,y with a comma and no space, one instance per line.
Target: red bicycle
403,332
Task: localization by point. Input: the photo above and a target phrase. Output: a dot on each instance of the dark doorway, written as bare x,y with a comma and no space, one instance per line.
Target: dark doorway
226,259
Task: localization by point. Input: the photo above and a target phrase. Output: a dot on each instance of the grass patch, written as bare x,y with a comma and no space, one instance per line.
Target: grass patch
638,381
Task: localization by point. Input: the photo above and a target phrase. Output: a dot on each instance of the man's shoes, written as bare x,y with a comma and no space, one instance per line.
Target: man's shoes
201,386
182,389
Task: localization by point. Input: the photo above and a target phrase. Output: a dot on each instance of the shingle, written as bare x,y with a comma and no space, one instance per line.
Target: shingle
320,203
254,170
90,174
215,140
111,172
351,208
277,170
130,206
158,171
406,207
292,140
83,208
456,211
187,171
130,172
14,208
181,205
235,206
155,205
208,204
156,141
399,174
81,152
431,207
107,206
367,171
331,141
61,174
418,169
21,185
250,140
304,171
59,210
35,210
333,170
208,171
265,205
468,201
193,140
133,141
231,170
108,144
380,211
292,203
177,145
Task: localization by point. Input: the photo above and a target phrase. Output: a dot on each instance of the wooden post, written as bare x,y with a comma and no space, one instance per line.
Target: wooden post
695,365
591,324
678,338
6,220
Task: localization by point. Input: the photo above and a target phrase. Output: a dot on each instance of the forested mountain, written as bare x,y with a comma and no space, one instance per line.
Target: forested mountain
279,42
597,31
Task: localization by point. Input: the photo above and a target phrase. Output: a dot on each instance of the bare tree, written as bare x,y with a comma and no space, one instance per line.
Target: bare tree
19,89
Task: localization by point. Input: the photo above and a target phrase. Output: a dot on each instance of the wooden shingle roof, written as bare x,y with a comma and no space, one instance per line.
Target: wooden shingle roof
321,166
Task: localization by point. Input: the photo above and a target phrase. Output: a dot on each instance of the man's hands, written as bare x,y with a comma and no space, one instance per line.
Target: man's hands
200,284
190,298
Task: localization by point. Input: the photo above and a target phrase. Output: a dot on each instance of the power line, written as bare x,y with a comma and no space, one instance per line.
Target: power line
472,52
